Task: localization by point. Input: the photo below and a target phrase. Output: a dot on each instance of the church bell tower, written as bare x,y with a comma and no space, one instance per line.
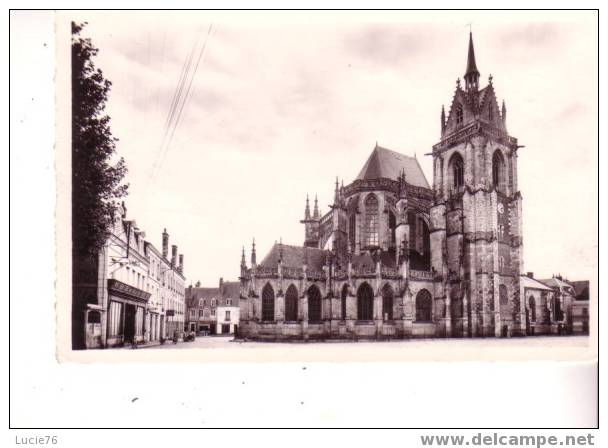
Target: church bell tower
476,223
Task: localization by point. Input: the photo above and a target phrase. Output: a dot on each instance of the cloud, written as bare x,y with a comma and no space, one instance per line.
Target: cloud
389,45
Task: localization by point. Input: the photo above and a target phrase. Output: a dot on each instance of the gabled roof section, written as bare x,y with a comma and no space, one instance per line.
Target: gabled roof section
531,283
388,164
295,257
556,283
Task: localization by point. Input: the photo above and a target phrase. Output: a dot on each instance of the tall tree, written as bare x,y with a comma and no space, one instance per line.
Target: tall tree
97,178
96,181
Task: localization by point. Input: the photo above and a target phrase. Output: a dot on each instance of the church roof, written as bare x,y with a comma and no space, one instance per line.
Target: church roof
531,283
366,261
295,257
388,164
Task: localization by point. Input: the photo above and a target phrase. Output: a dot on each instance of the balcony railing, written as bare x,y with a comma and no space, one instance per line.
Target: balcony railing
365,271
421,275
315,275
291,272
389,272
266,272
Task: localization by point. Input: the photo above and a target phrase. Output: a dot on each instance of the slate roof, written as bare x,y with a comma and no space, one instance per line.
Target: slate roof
295,256
531,283
194,294
386,163
581,289
231,290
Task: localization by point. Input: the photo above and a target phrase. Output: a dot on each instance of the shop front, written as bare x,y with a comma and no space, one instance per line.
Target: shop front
126,313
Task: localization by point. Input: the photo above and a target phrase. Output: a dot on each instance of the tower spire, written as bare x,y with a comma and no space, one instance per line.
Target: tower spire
253,257
442,119
316,209
243,263
307,209
471,76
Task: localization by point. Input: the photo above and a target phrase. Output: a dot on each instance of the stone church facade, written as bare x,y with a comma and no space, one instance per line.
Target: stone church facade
397,258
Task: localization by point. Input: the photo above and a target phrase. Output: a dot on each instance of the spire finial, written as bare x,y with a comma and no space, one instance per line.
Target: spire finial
471,75
253,257
316,209
243,263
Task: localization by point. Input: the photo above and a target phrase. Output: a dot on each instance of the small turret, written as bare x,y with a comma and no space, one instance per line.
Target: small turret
503,114
442,120
315,214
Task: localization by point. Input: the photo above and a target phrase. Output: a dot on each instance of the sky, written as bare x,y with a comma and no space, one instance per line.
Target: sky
283,103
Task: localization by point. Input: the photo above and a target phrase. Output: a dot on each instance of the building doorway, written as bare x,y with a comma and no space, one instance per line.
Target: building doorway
130,312
365,302
225,328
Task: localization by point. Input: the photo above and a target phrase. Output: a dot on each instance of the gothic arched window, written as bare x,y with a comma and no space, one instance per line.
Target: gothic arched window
291,304
343,302
532,306
314,304
268,303
387,302
498,170
365,302
424,306
371,221
392,225
352,230
457,168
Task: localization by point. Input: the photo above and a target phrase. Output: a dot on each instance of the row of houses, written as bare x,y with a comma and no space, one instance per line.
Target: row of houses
132,293
212,310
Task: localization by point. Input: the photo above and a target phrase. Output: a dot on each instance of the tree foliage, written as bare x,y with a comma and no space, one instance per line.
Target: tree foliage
97,177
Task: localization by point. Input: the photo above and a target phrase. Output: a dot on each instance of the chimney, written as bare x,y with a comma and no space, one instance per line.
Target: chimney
221,285
165,244
173,256
181,263
530,274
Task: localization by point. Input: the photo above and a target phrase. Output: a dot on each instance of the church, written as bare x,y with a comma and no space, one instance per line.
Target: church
397,258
